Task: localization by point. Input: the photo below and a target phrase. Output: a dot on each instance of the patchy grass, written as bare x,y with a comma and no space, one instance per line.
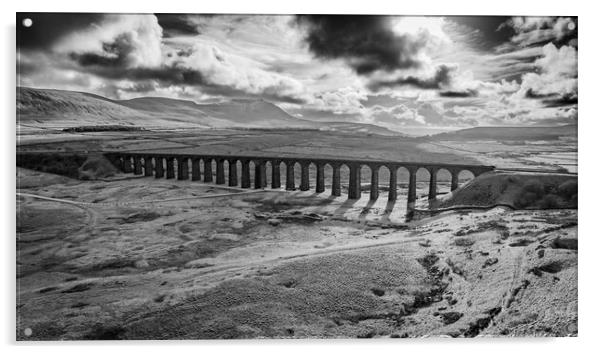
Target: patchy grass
519,190
346,287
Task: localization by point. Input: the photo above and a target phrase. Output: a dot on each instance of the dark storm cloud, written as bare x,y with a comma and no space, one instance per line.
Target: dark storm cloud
441,78
459,94
366,42
113,63
110,69
115,54
553,99
185,52
565,100
49,27
176,24
530,93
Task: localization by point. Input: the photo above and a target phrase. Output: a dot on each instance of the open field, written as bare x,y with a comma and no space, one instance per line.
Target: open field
550,155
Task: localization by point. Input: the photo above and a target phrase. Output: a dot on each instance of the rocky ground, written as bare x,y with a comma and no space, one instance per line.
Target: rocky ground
121,259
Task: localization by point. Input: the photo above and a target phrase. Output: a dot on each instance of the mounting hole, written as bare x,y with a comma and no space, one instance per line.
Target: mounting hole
571,26
27,22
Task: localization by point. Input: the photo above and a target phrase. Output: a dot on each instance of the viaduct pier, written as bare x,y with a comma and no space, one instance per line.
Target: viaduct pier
184,167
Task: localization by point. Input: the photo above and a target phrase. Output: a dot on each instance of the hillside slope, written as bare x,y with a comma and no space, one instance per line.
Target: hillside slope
67,108
518,190
58,108
55,105
237,112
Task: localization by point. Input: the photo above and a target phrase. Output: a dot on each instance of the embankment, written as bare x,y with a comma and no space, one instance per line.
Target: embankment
516,190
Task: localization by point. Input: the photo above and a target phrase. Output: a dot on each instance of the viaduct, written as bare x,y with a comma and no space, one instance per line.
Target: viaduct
168,165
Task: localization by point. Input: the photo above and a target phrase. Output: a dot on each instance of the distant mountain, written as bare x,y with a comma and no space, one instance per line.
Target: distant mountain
358,128
510,133
59,108
240,112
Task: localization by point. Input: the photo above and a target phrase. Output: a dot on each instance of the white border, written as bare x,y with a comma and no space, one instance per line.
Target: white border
589,168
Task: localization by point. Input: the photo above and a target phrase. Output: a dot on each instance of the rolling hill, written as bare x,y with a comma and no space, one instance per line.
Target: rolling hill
59,108
47,106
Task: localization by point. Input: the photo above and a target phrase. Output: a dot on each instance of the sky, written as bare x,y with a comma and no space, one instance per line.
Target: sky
393,71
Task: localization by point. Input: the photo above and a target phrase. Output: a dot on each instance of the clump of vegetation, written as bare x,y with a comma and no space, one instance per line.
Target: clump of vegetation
536,194
101,332
549,201
78,288
96,167
450,317
532,191
428,260
102,128
534,186
464,242
60,164
80,166
568,189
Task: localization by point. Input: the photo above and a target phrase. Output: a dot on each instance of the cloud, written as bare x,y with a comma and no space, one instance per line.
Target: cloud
442,77
558,61
518,56
118,41
423,112
345,100
458,94
538,30
131,48
367,43
511,64
176,24
565,100
447,79
219,68
390,52
221,81
396,115
556,80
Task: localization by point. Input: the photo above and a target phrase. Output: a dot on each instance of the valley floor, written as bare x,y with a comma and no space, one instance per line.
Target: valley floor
121,259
